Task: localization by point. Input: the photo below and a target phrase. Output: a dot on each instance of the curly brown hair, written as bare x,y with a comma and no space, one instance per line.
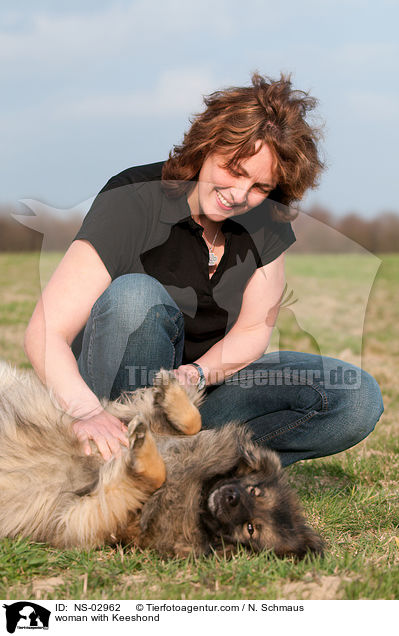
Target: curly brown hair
235,120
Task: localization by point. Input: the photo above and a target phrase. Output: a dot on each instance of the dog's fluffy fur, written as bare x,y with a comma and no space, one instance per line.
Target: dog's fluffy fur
173,490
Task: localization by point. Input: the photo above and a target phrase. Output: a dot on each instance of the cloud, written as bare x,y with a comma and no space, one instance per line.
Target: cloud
61,40
176,92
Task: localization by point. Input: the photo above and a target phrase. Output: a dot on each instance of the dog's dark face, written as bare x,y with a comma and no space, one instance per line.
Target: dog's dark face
255,507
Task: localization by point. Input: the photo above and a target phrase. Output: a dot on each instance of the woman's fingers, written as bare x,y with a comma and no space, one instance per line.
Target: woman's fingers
105,430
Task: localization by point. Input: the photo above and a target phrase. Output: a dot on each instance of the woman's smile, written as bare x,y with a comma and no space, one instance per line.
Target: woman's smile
220,193
222,201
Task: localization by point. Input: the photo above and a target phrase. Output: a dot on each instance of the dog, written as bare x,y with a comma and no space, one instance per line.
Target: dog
222,491
176,489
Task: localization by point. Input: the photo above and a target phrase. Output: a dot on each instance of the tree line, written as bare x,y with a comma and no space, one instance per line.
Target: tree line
318,231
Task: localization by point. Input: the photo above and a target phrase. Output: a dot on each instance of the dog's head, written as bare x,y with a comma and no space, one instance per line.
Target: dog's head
253,506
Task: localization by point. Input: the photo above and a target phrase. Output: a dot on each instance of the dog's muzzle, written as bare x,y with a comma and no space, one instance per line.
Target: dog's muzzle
223,499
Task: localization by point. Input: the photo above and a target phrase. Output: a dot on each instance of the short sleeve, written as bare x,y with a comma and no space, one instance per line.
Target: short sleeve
277,238
116,226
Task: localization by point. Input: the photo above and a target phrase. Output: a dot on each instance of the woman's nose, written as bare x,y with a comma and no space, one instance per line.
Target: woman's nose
239,195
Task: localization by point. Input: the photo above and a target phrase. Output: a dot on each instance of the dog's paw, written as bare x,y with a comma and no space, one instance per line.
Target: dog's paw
177,403
137,430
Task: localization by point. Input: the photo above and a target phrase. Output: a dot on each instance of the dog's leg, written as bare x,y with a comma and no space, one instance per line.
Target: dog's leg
178,403
144,460
168,407
123,486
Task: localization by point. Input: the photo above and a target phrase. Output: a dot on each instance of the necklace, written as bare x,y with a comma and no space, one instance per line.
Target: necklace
213,259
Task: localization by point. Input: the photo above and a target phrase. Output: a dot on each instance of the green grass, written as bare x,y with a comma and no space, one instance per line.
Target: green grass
351,498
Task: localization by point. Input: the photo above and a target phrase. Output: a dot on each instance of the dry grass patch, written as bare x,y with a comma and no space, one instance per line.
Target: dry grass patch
315,588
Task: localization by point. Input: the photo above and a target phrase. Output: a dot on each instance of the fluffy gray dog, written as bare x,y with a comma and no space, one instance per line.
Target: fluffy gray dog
174,489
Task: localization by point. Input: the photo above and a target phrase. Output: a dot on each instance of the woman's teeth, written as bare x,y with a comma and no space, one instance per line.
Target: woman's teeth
223,201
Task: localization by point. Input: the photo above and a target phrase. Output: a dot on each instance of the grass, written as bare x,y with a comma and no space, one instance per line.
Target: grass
351,498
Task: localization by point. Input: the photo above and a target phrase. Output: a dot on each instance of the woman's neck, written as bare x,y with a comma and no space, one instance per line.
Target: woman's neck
210,227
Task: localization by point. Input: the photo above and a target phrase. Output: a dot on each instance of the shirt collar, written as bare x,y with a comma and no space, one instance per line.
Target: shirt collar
177,211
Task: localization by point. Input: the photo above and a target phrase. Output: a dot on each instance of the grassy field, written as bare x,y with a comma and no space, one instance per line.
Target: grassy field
352,498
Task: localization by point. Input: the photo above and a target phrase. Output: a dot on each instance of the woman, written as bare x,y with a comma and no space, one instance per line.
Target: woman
188,274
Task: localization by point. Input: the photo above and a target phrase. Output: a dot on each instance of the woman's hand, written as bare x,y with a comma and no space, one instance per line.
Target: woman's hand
106,431
187,374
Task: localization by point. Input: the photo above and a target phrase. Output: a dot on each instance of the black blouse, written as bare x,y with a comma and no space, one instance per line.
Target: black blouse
135,227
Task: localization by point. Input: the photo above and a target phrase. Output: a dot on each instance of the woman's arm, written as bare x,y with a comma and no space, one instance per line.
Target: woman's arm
249,337
60,314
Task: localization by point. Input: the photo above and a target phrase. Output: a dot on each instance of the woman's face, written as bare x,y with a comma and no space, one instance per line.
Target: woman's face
222,193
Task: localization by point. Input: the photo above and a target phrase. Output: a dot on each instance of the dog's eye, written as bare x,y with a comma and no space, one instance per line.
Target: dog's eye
250,529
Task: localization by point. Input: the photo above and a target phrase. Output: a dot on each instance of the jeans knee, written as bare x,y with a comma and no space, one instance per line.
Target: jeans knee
370,405
127,291
129,300
364,407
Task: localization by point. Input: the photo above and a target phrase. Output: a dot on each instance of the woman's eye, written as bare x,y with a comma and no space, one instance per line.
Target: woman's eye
254,491
265,191
235,173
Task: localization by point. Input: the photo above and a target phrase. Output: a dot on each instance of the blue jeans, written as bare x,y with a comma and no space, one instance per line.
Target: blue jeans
301,405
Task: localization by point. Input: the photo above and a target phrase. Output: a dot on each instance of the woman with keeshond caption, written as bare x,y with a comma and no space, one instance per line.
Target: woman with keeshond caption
180,264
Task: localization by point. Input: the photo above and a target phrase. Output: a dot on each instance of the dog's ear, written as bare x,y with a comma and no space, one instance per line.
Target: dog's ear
311,543
304,541
292,534
257,459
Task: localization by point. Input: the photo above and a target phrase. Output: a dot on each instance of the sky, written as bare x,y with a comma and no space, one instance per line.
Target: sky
90,88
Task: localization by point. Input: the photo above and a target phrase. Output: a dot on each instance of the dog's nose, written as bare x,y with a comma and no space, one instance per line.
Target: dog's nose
232,496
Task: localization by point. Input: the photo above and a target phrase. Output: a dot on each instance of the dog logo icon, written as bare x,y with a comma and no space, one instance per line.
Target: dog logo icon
26,615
